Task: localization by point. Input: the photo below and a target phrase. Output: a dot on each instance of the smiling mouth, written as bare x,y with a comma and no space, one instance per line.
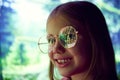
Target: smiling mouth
63,61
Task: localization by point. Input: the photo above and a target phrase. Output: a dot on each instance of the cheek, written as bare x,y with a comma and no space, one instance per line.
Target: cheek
51,57
50,49
82,56
82,65
81,62
50,54
84,48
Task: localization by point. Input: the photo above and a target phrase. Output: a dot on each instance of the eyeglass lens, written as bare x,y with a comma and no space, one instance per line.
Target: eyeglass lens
67,38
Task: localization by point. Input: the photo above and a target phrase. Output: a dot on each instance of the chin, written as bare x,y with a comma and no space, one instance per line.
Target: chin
65,74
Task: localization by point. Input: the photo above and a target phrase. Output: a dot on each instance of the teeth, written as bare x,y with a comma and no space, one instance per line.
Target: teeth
63,61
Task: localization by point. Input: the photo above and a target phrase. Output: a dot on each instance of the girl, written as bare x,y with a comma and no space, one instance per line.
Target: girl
79,43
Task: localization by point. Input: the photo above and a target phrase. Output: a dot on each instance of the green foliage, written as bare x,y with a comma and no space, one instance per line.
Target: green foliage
23,52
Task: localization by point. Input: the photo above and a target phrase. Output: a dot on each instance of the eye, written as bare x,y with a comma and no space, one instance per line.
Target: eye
51,40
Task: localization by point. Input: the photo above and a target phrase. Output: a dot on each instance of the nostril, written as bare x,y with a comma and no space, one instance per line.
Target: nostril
58,49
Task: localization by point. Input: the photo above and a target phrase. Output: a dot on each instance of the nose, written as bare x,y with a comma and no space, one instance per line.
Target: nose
58,48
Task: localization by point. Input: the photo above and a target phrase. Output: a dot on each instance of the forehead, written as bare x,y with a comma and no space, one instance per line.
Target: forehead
55,24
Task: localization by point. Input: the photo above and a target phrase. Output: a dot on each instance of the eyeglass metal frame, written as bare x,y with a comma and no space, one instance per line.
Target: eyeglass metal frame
58,36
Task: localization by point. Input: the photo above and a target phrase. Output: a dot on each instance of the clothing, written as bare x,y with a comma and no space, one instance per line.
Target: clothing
65,78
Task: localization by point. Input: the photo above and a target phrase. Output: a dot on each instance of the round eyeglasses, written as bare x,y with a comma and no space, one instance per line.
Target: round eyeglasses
67,37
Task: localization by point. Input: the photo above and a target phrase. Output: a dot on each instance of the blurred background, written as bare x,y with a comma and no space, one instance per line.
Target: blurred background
22,22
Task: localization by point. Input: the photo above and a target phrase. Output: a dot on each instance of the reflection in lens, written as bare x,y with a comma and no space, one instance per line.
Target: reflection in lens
62,38
68,37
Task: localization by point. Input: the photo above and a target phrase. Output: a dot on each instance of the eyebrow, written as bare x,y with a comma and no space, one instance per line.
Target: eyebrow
48,35
52,35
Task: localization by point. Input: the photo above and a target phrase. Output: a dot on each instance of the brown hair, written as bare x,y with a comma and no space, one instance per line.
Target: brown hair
103,62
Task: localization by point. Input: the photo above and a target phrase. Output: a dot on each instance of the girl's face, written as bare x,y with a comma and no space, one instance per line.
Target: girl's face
69,61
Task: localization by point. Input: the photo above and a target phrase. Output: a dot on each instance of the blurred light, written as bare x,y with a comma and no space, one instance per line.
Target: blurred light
6,4
30,14
1,3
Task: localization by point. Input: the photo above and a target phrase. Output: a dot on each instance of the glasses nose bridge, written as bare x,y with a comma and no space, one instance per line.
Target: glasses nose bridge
57,43
57,46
